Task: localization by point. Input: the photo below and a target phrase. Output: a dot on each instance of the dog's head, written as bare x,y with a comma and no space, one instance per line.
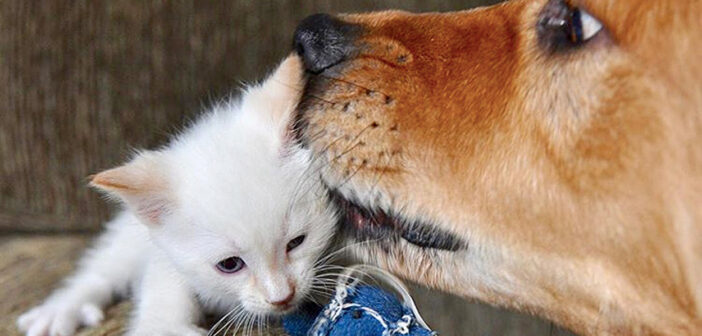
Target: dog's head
498,152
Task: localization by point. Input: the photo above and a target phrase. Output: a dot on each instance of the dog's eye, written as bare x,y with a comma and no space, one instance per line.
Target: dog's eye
563,25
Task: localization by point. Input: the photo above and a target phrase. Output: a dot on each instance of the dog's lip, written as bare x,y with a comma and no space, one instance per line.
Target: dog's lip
366,224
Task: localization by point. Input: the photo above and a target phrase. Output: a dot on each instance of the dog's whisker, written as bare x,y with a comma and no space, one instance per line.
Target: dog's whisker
346,81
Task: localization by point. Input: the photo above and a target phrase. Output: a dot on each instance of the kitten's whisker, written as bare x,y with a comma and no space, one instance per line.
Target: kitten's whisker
261,324
239,323
345,248
347,276
312,298
320,289
334,282
241,317
265,321
322,285
328,267
225,317
324,288
225,327
250,325
245,330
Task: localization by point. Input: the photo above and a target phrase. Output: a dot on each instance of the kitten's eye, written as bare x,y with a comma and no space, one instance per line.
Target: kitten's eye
563,25
231,265
297,241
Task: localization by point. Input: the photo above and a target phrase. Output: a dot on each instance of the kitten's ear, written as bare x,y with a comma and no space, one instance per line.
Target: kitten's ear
278,95
288,79
140,184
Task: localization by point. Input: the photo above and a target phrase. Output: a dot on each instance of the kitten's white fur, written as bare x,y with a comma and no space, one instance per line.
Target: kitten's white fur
225,187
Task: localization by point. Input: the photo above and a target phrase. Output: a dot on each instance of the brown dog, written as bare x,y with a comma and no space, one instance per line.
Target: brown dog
542,155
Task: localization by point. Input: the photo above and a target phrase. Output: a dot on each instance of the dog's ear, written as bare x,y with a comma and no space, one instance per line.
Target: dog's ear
141,184
277,96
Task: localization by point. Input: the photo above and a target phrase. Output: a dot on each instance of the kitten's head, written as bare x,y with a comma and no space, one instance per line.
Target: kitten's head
232,203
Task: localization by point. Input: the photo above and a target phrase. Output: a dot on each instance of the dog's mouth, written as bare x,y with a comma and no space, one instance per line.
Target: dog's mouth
376,225
328,90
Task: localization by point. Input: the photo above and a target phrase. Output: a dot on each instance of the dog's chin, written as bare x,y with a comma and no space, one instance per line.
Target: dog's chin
385,227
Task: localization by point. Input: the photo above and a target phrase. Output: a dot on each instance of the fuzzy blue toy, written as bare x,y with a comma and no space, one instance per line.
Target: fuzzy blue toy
360,310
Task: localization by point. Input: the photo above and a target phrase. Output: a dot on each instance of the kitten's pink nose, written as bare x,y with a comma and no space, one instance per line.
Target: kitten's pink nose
284,302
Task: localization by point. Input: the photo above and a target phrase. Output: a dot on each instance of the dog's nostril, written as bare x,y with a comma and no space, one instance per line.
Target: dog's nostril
323,41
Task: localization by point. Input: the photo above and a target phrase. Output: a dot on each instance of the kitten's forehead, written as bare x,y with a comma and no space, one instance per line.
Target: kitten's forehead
246,197
229,172
245,187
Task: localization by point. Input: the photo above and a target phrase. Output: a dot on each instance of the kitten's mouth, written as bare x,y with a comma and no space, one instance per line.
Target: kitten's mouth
282,310
365,224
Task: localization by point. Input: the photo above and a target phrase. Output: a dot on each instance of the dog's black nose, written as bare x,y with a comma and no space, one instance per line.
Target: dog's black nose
323,41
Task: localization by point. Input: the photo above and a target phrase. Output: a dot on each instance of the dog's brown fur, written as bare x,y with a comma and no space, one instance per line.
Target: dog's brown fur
575,177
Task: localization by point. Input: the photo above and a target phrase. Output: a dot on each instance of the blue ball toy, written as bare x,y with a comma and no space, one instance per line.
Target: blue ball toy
360,310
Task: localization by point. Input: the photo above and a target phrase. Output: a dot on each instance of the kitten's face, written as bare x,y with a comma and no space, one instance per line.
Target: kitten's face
233,206
252,244
244,222
249,238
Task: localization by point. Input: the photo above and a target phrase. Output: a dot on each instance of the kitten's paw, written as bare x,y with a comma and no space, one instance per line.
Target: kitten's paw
168,330
59,318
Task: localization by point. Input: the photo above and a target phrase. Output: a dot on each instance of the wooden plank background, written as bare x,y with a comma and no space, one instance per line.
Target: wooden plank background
82,83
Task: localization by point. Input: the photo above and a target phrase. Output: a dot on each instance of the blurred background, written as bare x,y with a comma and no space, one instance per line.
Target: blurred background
82,83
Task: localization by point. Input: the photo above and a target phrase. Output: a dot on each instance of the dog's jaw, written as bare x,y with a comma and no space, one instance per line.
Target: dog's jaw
381,227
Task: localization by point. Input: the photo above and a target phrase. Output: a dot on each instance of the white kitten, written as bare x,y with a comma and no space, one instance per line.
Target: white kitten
223,219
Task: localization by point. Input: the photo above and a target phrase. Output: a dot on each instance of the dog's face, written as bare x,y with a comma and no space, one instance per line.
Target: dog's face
495,153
